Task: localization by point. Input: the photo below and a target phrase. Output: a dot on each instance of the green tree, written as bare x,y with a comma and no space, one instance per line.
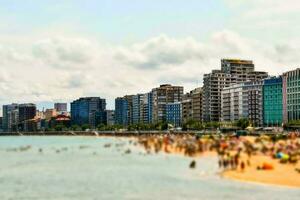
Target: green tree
192,125
85,127
243,123
212,125
75,127
101,127
60,127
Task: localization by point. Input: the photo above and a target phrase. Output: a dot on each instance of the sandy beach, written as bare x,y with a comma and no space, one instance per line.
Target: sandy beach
283,174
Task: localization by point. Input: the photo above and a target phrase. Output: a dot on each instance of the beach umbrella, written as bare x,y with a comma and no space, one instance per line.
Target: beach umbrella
279,155
285,157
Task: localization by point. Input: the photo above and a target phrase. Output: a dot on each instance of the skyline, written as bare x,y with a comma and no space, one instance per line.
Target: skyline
60,50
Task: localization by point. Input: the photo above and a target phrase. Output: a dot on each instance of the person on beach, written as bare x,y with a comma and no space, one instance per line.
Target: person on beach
166,143
225,163
236,160
220,162
232,164
242,166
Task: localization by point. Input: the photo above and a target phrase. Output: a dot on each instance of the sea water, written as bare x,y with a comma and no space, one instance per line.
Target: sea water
65,168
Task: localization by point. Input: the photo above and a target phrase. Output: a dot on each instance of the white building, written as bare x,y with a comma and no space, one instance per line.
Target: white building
243,100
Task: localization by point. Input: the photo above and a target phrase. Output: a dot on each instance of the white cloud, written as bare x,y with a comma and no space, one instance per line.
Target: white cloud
64,53
66,68
161,51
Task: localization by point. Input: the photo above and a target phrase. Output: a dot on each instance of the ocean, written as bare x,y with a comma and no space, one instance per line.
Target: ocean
71,168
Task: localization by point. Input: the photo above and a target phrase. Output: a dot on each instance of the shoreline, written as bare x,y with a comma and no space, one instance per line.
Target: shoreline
94,133
253,171
281,175
252,175
274,177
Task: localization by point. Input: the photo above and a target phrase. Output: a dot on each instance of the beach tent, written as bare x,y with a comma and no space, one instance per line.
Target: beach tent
267,166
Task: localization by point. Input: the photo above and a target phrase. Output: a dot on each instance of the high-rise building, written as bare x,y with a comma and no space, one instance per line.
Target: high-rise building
110,117
257,76
243,100
136,108
238,69
242,70
197,104
291,95
27,113
272,101
146,108
233,71
186,107
61,108
1,127
129,99
173,113
213,84
161,96
121,111
8,121
88,110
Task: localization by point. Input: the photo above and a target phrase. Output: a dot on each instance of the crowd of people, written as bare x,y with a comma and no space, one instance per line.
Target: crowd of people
234,152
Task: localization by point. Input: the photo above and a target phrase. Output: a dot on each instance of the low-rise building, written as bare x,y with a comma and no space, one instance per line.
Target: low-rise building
50,113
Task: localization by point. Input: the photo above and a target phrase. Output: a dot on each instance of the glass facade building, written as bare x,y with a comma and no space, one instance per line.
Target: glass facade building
88,110
272,102
121,111
173,114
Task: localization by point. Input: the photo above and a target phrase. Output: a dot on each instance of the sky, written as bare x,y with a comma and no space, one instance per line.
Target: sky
59,50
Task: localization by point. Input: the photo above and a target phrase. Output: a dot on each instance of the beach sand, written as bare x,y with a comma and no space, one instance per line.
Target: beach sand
282,174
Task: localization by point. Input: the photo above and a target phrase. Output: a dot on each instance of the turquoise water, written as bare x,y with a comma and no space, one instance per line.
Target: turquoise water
83,168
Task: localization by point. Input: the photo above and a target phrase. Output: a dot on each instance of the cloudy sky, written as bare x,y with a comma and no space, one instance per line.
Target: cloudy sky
58,50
